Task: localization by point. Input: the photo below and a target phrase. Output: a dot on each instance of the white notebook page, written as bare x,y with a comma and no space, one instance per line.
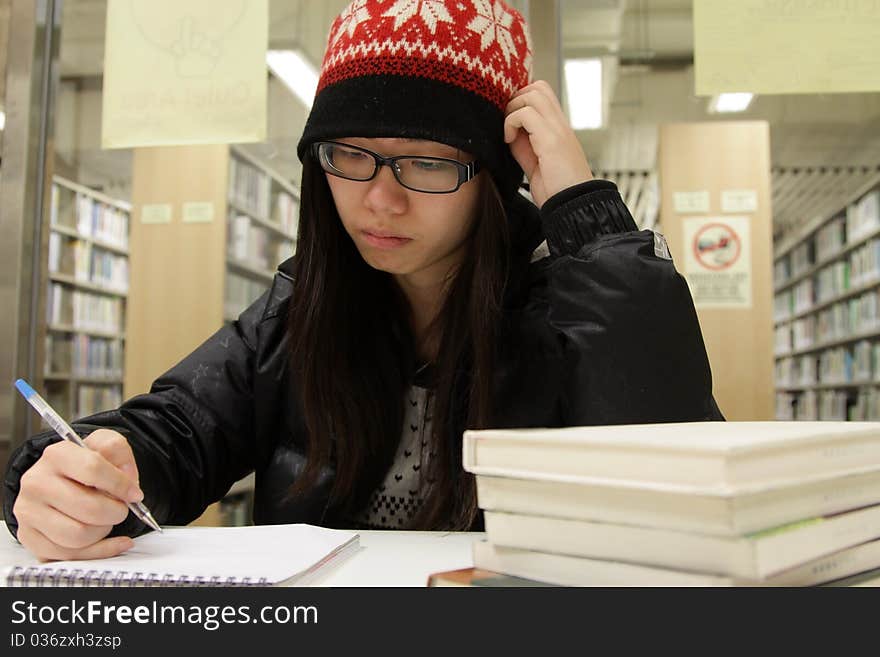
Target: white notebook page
273,552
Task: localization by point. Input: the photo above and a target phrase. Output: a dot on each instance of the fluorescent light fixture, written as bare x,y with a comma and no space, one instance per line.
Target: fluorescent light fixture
2,119
583,90
294,71
737,102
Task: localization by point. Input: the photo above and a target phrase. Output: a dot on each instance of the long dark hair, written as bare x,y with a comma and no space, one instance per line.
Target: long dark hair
353,356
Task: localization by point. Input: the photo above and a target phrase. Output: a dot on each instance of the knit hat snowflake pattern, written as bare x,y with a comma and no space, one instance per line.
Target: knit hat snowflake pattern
441,70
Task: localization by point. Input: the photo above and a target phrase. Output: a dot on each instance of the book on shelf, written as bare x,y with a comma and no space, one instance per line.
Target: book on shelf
692,455
470,577
802,258
830,238
566,570
863,216
803,295
83,311
240,292
709,511
249,186
261,226
265,555
94,398
753,556
870,578
286,212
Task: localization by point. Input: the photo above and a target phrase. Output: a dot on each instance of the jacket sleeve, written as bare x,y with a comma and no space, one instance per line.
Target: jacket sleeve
624,317
191,434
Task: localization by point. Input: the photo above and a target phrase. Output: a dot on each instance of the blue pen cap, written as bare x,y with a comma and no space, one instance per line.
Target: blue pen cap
24,388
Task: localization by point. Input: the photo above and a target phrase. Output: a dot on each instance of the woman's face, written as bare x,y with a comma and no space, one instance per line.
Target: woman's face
418,237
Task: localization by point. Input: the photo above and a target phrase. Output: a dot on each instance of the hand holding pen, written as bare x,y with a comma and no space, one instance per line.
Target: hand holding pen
71,497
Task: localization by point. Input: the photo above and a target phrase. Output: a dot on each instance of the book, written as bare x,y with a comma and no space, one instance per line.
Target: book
565,570
870,578
265,555
468,577
709,511
753,556
718,456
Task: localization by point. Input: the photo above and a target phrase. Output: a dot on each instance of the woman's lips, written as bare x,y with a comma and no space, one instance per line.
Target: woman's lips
385,241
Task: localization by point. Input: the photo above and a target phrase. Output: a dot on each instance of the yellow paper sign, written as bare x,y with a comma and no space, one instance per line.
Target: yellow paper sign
197,212
156,213
786,46
184,72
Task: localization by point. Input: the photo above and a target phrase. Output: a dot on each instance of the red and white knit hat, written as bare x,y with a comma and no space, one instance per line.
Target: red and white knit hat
441,70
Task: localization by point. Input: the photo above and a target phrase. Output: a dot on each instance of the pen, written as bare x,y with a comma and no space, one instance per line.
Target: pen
63,429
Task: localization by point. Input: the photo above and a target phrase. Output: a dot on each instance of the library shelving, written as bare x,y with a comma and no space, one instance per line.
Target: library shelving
210,225
236,508
262,215
87,290
827,315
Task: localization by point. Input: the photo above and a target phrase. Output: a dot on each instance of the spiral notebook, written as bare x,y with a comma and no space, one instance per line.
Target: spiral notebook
265,555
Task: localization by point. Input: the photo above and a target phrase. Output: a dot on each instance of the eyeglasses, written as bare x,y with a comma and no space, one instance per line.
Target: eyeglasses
432,175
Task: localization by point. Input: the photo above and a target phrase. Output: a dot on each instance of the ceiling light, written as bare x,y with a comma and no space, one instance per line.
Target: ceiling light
2,119
583,90
295,72
737,102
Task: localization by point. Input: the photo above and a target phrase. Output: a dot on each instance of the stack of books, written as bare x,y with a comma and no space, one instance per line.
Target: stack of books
681,504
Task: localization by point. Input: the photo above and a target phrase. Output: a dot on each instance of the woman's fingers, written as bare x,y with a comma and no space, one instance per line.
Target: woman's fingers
70,499
67,526
528,119
540,96
534,113
115,448
47,550
64,531
543,143
90,468
523,153
83,503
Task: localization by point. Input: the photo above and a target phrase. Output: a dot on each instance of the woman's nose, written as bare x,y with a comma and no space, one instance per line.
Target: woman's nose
385,194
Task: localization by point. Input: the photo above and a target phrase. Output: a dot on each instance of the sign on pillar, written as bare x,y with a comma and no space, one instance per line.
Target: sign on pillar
718,263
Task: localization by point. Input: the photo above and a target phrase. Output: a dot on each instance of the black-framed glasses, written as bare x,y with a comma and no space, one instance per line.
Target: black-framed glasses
432,175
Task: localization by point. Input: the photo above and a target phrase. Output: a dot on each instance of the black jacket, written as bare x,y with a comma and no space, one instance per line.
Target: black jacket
600,331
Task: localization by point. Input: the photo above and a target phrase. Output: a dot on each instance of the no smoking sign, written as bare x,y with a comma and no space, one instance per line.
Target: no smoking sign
718,261
716,246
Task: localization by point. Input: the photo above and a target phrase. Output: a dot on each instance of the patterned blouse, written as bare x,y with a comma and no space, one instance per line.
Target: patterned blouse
397,500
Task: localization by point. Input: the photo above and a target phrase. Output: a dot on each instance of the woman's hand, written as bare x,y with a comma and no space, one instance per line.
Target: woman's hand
71,497
543,143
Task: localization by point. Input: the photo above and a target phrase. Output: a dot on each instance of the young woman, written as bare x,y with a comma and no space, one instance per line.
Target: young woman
427,296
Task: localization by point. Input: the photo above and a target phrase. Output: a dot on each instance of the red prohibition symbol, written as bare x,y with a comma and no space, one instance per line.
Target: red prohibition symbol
716,246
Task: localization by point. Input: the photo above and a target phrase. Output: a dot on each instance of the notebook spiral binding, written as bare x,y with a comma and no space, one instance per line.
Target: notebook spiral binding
34,576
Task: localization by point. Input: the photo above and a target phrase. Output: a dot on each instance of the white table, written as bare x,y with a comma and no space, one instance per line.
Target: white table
389,558
383,559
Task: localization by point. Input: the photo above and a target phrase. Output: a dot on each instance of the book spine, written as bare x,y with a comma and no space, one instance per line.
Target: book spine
469,451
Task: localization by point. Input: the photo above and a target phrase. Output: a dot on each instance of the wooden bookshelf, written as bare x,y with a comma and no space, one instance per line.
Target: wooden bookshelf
87,291
834,372
190,273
